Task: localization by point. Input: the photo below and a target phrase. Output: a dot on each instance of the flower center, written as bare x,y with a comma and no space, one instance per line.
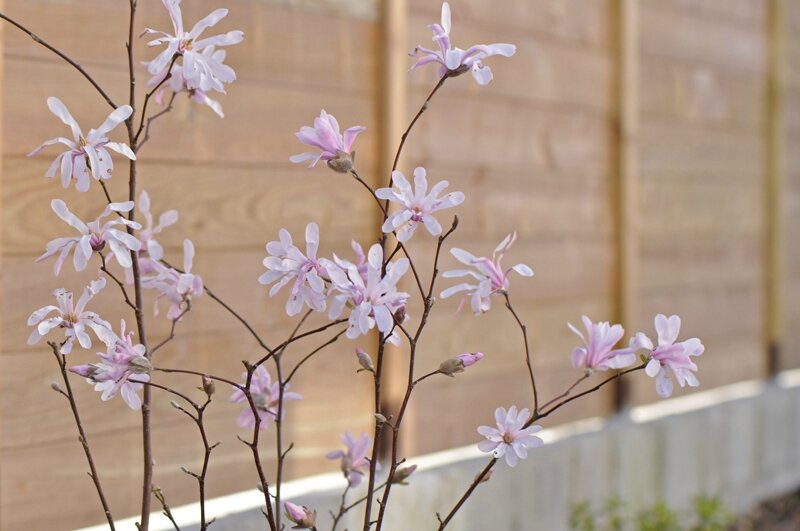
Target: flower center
508,438
186,45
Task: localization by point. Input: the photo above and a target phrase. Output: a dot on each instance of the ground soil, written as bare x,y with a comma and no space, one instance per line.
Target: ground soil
780,514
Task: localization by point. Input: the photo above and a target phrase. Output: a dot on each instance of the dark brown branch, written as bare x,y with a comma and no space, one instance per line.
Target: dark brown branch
118,282
63,56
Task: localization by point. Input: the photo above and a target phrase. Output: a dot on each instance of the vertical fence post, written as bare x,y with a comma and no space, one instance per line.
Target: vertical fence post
775,169
392,102
627,182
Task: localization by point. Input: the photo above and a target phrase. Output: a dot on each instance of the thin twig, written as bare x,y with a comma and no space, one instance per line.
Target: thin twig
171,335
62,364
524,330
153,118
150,95
63,56
119,283
310,354
165,508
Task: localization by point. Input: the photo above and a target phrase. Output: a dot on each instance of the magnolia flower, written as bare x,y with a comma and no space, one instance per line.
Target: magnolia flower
265,395
178,288
334,147
354,461
510,439
669,355
374,299
122,369
73,319
300,515
491,277
417,205
87,154
287,263
455,61
598,352
176,82
199,70
93,238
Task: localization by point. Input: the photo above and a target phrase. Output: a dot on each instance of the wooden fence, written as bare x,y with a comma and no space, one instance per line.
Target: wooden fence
642,149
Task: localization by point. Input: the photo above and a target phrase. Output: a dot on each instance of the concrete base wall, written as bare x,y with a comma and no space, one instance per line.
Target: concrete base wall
740,442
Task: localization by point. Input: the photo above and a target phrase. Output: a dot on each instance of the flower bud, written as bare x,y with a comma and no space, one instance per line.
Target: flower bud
470,358
87,371
402,474
341,163
55,387
301,516
208,385
260,401
380,419
140,365
365,361
450,367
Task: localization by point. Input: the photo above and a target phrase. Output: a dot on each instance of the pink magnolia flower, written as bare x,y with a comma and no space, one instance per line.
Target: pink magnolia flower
265,394
87,154
489,273
373,300
300,515
669,355
199,70
177,83
94,237
122,369
417,205
178,288
334,147
73,319
354,460
287,263
455,61
452,366
509,439
598,352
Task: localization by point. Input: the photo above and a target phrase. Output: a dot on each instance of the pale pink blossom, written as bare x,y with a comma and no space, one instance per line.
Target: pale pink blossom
598,352
122,369
510,439
177,83
94,237
179,288
286,263
455,61
266,395
87,155
300,515
417,204
373,299
354,461
676,357
490,276
332,144
150,247
73,319
199,70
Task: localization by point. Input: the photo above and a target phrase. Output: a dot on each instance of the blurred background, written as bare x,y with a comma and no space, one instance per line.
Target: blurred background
643,150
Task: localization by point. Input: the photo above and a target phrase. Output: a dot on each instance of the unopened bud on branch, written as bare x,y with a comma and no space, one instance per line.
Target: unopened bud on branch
402,474
365,361
302,516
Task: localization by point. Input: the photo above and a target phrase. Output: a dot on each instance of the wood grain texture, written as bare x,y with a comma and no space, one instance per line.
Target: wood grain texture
536,151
